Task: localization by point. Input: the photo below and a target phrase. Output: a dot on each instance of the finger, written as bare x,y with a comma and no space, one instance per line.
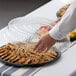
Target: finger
39,48
37,45
47,48
43,48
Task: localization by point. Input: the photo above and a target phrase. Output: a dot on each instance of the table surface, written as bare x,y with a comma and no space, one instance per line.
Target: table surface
66,65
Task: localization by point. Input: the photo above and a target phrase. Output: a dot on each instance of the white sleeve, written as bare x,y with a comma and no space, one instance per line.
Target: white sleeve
67,23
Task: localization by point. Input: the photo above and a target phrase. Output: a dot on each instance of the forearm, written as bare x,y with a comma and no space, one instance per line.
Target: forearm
67,23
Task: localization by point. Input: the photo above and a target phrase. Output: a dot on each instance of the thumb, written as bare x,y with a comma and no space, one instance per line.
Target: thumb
37,45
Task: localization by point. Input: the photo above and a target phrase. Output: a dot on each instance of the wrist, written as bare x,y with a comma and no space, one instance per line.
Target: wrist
51,38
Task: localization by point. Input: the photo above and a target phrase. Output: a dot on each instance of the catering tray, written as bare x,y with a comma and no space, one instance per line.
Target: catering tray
17,30
32,65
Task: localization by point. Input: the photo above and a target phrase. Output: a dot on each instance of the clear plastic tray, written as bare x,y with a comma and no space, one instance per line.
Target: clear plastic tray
20,29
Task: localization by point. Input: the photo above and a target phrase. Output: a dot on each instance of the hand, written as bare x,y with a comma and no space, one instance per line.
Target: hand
44,29
45,43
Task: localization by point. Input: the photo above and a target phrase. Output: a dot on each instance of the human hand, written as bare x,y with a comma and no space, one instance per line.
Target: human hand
45,43
44,29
